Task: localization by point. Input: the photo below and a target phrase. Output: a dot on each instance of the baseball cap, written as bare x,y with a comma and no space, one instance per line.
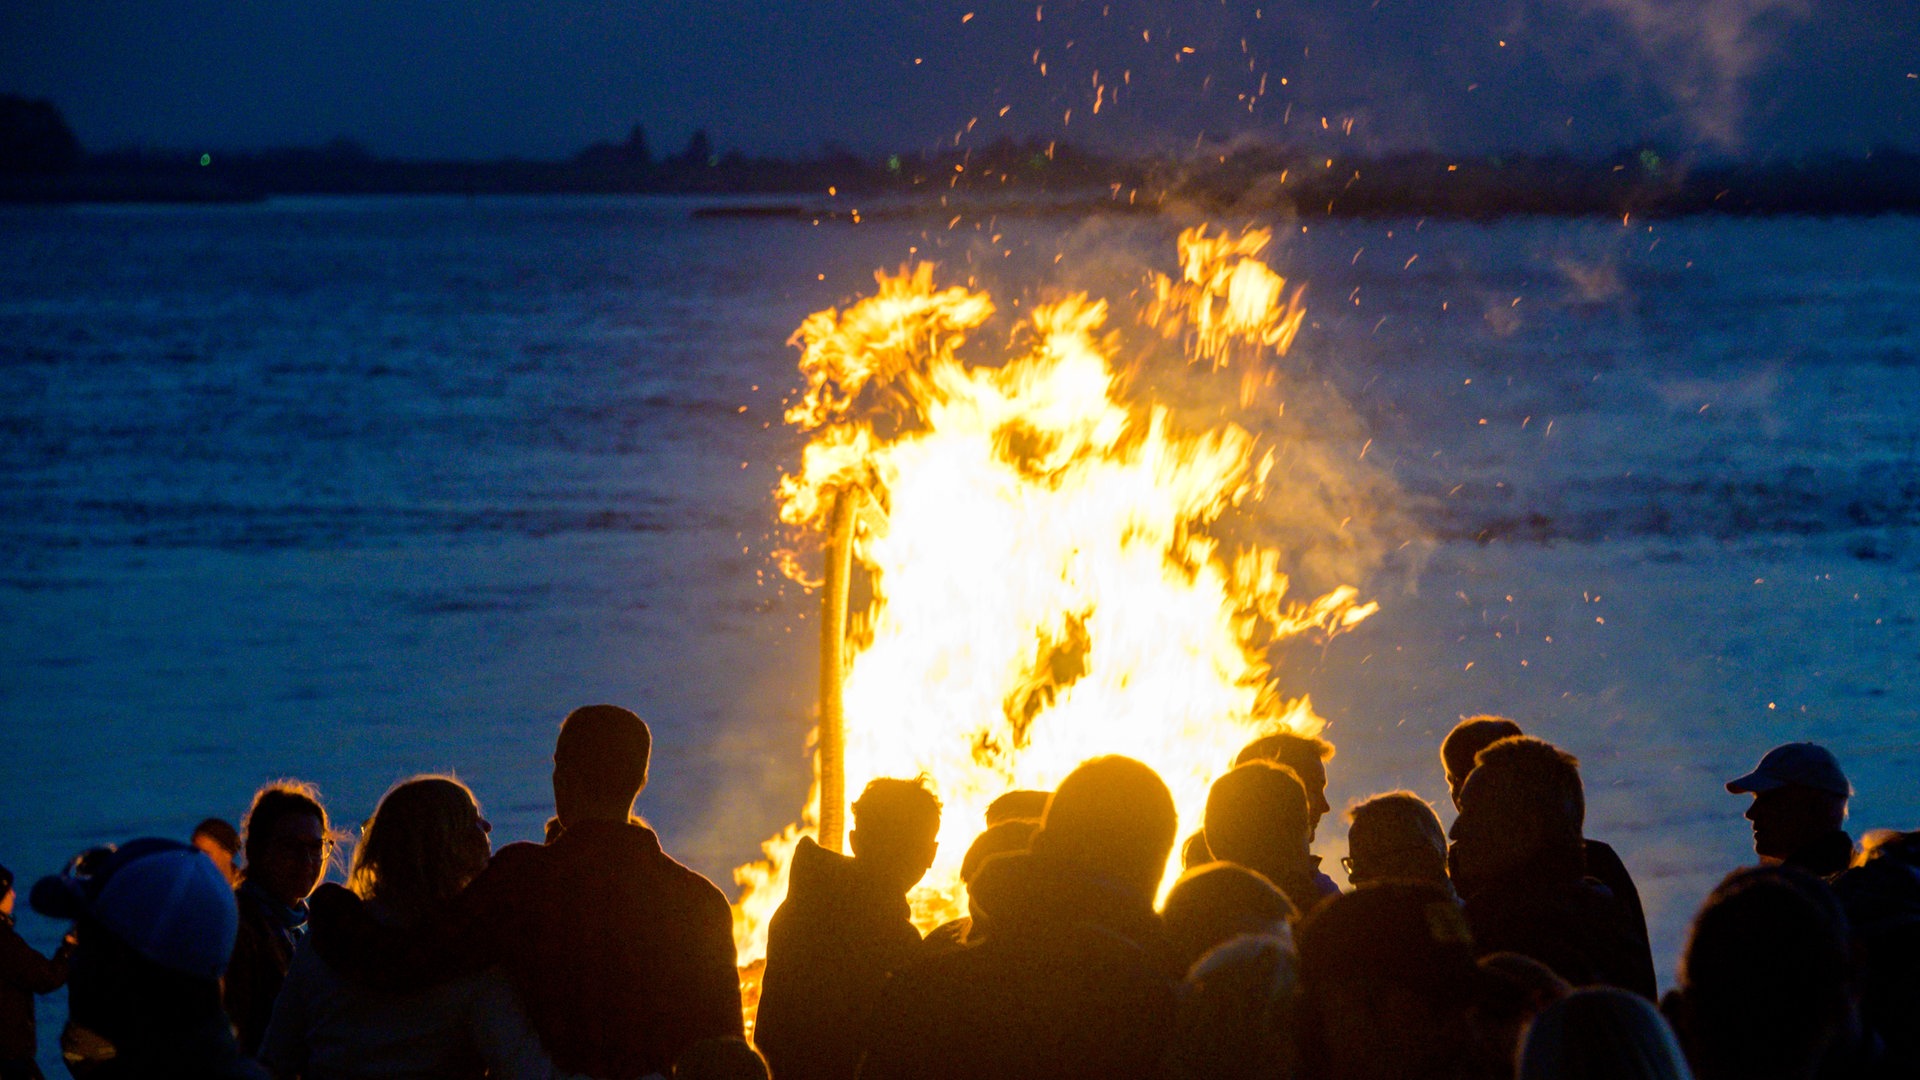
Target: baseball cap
164,899
1803,763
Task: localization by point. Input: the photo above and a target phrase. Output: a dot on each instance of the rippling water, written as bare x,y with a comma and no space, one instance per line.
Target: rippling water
351,489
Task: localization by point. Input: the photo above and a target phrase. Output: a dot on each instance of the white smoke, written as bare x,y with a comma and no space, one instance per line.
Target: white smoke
1703,53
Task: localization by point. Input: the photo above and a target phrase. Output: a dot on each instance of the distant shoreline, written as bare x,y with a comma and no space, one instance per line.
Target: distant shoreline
1038,178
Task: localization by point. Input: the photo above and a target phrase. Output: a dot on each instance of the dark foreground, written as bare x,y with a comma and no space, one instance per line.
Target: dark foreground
1515,946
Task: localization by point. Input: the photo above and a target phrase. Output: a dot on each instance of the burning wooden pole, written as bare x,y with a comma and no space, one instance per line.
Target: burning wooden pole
832,748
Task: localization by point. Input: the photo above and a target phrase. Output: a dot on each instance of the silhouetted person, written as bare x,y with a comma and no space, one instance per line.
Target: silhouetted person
1395,835
1194,852
221,841
1881,897
1008,837
1214,903
1464,743
842,929
287,845
1257,816
622,957
23,973
155,927
1457,753
1307,756
1767,982
425,842
1387,981
1236,1018
1074,979
1020,804
1799,805
1513,990
1519,865
1601,1033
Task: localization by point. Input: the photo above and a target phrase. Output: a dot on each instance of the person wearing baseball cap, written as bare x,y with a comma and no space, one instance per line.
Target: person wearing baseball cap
23,973
155,922
1799,805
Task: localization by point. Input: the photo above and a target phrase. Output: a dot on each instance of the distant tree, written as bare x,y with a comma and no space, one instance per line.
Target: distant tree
635,148
699,148
35,138
633,152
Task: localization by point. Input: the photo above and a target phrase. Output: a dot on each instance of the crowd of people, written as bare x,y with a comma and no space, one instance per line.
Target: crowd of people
1511,946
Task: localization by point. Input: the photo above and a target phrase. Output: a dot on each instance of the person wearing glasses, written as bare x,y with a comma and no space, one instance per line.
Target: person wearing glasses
287,844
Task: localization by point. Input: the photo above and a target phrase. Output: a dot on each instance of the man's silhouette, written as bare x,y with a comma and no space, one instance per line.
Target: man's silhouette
622,957
1075,979
842,929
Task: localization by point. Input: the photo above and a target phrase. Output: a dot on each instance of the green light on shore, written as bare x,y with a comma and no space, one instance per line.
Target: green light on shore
206,159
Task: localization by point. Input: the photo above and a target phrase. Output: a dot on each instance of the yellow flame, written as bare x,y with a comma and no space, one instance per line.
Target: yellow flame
1225,296
1045,584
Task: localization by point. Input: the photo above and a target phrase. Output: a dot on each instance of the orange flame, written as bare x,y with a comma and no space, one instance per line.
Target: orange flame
1046,585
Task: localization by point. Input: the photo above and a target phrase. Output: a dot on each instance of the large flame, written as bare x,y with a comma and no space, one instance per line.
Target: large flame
1046,585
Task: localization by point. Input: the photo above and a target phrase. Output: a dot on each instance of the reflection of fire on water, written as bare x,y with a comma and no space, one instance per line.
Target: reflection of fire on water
1047,582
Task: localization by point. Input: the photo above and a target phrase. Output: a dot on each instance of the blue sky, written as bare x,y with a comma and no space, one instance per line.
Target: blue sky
423,78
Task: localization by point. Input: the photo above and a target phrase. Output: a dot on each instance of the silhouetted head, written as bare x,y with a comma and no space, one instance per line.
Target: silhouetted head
1799,796
1601,1033
1257,816
1212,904
720,1059
896,829
1767,979
1890,844
1464,743
1018,805
1523,803
1513,990
1194,852
1236,1016
155,922
422,845
1387,977
286,840
1115,817
6,891
1395,835
599,764
1307,756
221,841
1006,838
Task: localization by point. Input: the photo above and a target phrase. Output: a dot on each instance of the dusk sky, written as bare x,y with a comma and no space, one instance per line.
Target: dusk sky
483,78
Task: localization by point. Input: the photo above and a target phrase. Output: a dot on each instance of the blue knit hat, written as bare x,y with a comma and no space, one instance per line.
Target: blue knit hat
164,899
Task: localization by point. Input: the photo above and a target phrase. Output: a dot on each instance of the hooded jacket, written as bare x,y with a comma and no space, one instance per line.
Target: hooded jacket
1075,980
830,948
